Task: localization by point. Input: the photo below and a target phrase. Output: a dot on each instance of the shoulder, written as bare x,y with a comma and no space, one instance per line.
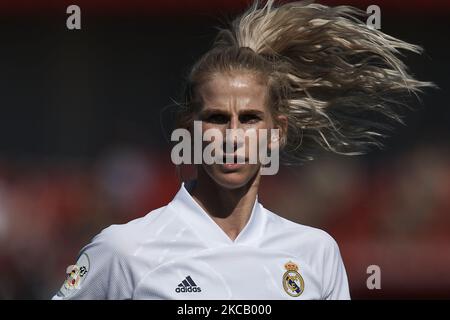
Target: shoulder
109,264
298,234
124,239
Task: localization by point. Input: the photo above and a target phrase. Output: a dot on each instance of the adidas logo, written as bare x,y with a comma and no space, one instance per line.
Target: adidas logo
187,285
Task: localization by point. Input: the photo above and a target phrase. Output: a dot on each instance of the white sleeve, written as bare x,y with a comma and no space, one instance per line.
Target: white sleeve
101,272
335,276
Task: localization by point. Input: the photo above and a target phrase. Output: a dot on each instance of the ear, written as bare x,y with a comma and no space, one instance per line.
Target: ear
281,123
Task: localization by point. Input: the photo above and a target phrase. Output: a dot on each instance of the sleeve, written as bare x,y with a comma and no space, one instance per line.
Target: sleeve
335,277
100,272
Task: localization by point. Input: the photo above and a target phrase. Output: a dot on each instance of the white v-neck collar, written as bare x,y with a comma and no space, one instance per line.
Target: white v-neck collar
208,230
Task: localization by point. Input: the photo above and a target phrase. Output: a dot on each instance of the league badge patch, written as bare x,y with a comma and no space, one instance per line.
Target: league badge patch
293,282
76,274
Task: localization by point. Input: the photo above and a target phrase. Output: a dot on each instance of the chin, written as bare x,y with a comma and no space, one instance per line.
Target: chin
233,179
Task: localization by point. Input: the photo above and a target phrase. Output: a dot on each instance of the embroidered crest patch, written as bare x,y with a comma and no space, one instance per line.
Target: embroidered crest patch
76,274
293,282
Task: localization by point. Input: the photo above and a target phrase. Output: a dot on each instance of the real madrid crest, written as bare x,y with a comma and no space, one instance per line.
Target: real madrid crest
293,282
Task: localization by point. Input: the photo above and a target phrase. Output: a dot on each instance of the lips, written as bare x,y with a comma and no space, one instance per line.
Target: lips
238,162
232,166
236,159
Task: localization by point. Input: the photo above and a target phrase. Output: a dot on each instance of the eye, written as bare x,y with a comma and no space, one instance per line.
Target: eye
249,118
217,118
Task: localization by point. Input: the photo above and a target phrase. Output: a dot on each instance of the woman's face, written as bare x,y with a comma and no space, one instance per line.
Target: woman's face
237,100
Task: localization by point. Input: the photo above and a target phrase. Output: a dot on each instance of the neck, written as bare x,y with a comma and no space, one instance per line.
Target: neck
229,208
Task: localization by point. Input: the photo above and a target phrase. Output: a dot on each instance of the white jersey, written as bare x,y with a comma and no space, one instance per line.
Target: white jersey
179,252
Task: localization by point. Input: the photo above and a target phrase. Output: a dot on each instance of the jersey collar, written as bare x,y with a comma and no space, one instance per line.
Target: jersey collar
208,230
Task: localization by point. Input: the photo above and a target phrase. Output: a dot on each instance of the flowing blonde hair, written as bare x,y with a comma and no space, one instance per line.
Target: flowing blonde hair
340,83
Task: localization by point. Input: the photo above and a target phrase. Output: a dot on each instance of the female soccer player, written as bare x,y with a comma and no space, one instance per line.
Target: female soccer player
317,74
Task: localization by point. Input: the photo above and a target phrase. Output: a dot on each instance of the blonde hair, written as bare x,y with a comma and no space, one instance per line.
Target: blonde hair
340,83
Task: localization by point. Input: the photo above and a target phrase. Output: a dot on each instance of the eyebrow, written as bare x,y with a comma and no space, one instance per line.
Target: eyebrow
252,111
221,111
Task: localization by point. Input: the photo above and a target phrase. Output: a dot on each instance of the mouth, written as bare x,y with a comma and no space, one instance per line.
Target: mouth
234,162
229,159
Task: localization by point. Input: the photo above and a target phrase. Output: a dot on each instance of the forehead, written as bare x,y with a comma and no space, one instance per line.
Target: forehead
233,89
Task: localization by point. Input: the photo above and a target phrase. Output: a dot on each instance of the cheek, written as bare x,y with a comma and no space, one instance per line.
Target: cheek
211,126
213,135
261,131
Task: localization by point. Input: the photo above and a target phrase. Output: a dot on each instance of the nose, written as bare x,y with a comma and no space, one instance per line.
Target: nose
234,122
232,136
